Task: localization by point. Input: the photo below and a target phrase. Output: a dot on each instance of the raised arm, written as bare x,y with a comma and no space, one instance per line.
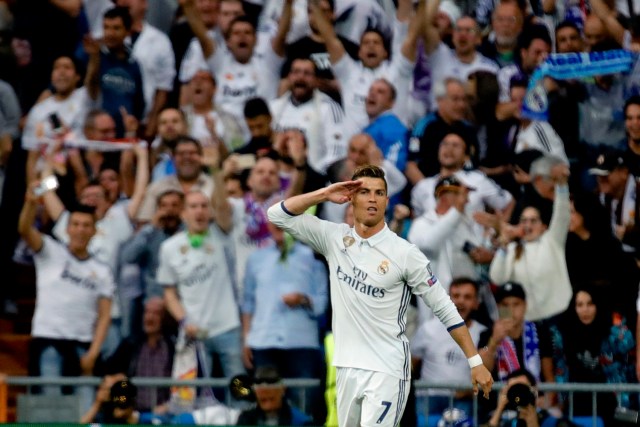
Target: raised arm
28,232
418,26
279,39
608,18
142,179
197,26
92,78
430,31
334,46
222,209
340,193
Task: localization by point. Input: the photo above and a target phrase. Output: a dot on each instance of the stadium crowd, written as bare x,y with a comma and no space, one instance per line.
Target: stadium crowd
172,126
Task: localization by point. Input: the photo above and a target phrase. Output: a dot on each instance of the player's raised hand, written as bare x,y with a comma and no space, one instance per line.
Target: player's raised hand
341,192
481,377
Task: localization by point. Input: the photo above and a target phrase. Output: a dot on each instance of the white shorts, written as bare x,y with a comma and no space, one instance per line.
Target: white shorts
369,398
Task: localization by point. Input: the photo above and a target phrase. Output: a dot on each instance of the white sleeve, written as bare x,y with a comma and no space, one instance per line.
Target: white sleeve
425,284
60,228
400,31
419,195
501,267
344,69
271,64
192,62
164,65
493,195
553,141
560,218
333,134
166,275
107,285
306,228
430,236
396,180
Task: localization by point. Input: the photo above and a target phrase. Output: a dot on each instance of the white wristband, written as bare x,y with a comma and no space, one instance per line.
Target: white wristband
474,361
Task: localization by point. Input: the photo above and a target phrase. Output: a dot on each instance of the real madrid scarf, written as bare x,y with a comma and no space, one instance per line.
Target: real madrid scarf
565,66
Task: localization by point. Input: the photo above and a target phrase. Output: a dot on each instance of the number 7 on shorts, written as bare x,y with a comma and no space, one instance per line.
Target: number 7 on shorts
386,405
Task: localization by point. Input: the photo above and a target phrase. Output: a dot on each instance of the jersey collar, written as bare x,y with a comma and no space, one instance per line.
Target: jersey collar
373,240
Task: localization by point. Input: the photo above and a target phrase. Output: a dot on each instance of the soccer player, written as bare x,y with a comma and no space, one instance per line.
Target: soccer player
373,273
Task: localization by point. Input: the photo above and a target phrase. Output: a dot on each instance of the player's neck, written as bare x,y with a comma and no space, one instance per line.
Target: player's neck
366,232
79,252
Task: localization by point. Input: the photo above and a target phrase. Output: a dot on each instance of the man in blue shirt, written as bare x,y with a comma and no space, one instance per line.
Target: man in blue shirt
113,76
386,129
285,291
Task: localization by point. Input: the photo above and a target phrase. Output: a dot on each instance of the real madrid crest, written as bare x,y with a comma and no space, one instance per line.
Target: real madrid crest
383,268
184,249
208,249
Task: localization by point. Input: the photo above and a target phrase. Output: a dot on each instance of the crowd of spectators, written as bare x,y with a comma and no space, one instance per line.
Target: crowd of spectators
170,138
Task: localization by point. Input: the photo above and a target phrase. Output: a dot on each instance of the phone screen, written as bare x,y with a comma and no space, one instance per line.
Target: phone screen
504,312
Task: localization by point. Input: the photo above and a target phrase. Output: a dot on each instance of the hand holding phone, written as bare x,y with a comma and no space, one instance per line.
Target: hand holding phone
47,184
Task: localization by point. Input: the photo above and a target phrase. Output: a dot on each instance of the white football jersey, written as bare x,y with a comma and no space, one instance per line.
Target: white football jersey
67,293
355,80
154,54
194,59
445,63
71,112
236,82
201,276
321,120
371,284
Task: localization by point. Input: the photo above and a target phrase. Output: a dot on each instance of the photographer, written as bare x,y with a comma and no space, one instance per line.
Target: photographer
517,404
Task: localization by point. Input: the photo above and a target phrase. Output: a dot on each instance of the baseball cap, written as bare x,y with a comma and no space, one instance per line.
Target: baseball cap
123,394
606,163
510,289
266,375
450,183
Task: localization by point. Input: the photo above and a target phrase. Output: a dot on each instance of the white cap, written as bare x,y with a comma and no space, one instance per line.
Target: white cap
449,8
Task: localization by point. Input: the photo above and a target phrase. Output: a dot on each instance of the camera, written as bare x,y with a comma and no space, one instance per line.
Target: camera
519,396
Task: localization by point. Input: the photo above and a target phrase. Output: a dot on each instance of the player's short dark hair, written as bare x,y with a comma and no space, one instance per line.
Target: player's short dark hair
185,139
83,209
464,280
169,192
633,100
77,65
255,107
370,171
240,19
122,13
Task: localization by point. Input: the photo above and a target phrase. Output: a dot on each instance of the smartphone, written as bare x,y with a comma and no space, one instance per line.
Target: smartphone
56,124
246,161
504,312
47,184
468,247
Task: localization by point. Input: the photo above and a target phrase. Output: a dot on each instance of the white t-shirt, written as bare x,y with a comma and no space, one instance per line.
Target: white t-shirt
445,63
154,54
321,120
236,82
355,80
442,359
194,60
371,284
68,290
486,193
71,112
201,276
112,231
542,137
